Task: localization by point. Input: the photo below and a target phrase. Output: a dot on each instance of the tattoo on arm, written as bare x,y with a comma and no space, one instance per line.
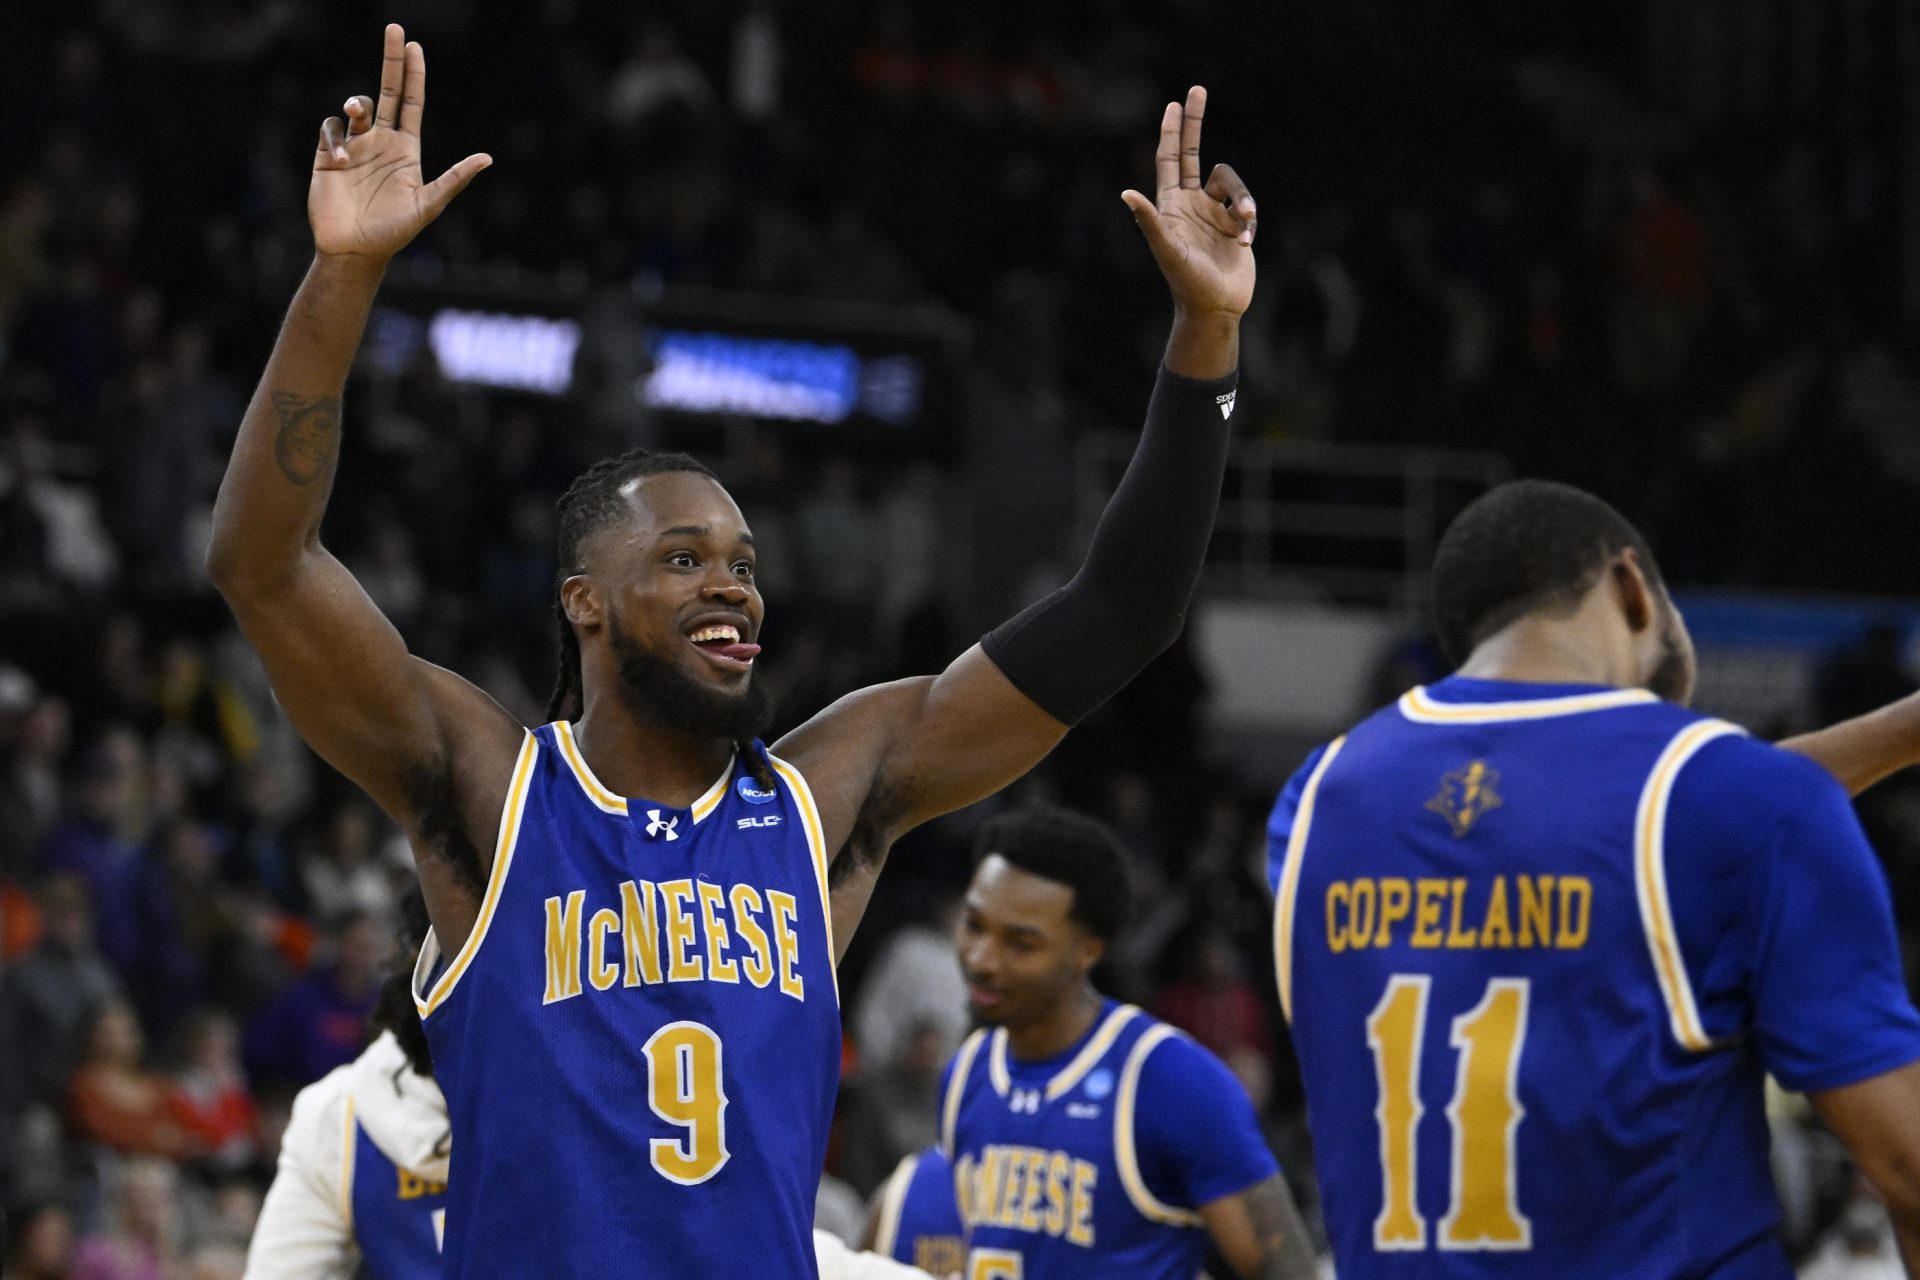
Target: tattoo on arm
309,433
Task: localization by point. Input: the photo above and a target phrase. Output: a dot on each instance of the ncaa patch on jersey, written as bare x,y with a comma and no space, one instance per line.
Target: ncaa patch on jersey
750,791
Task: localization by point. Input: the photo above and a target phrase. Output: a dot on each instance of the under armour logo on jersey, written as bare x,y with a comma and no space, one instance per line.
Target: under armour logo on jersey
1024,1102
656,825
1226,403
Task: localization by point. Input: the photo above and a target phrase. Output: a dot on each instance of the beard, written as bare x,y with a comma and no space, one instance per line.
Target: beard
655,689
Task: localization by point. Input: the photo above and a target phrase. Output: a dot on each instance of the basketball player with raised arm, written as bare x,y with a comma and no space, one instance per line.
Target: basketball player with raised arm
629,987
1542,933
1087,1138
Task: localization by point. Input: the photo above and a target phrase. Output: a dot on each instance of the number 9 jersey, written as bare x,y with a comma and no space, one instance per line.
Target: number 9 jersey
1540,946
640,1041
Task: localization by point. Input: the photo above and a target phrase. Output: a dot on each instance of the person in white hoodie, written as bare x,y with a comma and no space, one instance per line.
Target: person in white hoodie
361,1187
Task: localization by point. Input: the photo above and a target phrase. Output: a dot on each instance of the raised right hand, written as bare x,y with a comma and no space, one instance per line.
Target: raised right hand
366,198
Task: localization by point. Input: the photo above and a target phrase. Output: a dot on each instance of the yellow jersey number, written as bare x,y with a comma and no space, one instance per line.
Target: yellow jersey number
684,1089
1485,1114
994,1264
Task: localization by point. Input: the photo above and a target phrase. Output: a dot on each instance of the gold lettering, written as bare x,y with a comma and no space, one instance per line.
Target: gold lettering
1341,893
1084,1177
1496,925
413,1186
962,1181
599,972
1059,1170
1426,920
1035,1189
1536,910
676,896
1360,923
1008,1213
785,911
1576,912
640,927
1458,939
993,1176
758,964
563,947
719,967
1396,897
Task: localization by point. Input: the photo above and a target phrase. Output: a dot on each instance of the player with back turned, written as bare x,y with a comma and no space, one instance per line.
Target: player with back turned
1086,1137
629,986
1542,933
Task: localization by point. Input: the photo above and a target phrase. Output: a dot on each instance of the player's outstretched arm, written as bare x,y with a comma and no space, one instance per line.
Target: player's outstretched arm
892,757
393,724
1864,750
1259,1231
1879,1121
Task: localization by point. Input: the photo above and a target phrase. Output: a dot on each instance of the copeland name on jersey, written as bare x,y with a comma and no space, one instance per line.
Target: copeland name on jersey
1539,946
1095,1163
639,1043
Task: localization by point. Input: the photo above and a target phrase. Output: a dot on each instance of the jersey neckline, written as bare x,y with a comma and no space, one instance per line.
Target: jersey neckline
1065,1069
1473,700
605,799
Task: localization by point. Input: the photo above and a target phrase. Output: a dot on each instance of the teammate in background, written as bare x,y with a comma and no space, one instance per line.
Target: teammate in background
1087,1138
1542,933
578,928
914,1218
361,1186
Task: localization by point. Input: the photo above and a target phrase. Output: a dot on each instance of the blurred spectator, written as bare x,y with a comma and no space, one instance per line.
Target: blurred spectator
30,789
1215,1004
914,984
140,1239
1859,1247
895,1109
40,1244
53,990
320,1022
102,841
212,1102
113,1101
346,876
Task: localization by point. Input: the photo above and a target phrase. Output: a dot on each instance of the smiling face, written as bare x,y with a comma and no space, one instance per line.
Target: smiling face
1021,950
669,592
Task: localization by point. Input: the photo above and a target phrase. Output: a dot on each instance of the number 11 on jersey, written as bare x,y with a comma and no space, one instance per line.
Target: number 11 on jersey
1485,1116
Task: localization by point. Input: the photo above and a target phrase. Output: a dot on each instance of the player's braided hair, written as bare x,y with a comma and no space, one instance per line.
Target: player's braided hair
590,503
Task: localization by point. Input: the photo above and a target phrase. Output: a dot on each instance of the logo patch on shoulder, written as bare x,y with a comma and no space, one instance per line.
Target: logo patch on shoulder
750,791
1466,795
1099,1084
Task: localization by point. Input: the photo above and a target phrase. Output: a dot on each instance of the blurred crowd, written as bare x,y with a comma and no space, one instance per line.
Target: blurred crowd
1479,230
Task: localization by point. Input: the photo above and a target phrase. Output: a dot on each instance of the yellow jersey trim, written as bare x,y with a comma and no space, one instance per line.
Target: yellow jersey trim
957,1088
511,811
997,1073
1095,1049
596,791
817,843
349,1152
893,1198
603,796
1289,886
1650,882
1416,706
1125,1156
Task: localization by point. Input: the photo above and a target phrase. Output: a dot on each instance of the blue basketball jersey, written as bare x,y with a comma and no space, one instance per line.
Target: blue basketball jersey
1096,1162
640,1041
1540,946
918,1221
397,1215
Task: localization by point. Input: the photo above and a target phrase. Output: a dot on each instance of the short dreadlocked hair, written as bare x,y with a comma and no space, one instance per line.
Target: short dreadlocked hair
1522,547
591,503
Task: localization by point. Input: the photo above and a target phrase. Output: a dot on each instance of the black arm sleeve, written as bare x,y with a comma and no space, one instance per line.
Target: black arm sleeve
1081,645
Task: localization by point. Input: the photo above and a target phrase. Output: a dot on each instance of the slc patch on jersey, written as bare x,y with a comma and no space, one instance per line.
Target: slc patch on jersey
1467,794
